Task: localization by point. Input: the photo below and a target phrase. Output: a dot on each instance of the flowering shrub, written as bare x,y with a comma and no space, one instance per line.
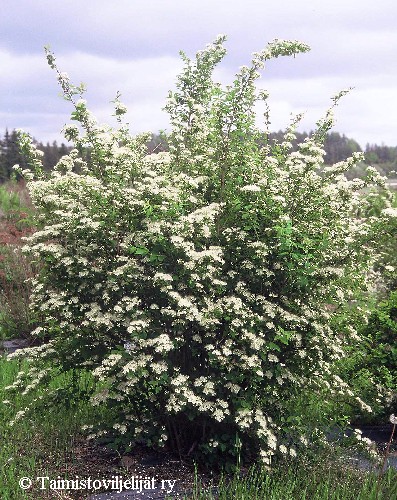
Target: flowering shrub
194,284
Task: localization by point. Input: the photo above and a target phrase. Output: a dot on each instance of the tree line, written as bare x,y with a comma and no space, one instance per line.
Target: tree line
338,147
10,154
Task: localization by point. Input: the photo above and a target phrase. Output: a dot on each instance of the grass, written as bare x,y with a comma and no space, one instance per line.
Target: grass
14,197
9,199
46,444
15,268
305,481
40,445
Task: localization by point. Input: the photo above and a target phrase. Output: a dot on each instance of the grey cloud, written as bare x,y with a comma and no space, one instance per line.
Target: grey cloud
133,47
126,29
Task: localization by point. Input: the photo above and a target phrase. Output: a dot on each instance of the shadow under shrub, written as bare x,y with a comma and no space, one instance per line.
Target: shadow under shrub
193,282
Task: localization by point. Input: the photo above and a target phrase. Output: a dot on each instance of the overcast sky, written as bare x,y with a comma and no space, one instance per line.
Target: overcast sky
132,46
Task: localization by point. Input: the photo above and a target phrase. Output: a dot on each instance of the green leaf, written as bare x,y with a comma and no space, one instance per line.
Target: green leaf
138,250
273,346
284,336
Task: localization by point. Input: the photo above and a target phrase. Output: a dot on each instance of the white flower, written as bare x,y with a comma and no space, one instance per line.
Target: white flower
162,277
303,440
121,427
389,212
253,188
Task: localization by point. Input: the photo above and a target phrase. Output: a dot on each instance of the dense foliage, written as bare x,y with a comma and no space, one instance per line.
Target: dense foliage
197,284
373,367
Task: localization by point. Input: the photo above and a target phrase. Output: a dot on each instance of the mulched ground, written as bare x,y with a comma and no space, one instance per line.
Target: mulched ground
99,462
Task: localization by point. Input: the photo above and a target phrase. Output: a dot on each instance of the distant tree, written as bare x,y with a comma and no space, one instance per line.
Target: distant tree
50,155
380,154
10,155
3,166
63,150
339,147
370,154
